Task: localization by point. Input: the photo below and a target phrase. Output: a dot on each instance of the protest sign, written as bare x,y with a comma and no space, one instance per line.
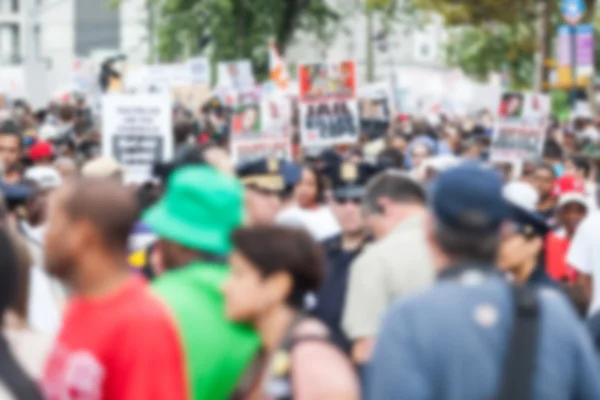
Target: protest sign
261,126
243,151
235,74
161,78
521,129
137,132
328,105
376,108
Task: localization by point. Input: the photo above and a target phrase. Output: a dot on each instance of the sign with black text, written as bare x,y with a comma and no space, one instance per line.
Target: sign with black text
328,106
137,132
521,129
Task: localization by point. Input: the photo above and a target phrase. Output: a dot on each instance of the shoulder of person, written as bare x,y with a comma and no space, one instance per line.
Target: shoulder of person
442,301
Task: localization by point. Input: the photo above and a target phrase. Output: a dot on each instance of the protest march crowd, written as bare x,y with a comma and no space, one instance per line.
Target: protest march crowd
322,246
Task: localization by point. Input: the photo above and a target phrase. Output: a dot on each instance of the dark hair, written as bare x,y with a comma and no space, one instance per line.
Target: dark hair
468,246
10,127
396,186
552,150
547,167
67,113
110,207
390,158
320,181
581,163
274,249
11,373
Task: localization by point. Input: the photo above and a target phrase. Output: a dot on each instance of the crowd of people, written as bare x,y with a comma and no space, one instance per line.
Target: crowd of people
405,266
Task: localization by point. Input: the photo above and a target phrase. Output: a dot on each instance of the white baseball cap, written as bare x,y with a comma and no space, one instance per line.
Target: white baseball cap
573,197
45,177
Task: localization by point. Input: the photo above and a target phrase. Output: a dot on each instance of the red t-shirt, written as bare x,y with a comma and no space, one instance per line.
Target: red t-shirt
123,346
557,247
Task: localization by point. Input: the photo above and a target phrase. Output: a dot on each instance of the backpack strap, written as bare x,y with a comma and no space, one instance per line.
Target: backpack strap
520,362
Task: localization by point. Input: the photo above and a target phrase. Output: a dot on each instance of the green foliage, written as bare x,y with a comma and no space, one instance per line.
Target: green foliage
480,50
238,28
492,35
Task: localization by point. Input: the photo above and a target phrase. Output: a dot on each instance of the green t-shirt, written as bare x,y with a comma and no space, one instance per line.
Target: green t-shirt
217,351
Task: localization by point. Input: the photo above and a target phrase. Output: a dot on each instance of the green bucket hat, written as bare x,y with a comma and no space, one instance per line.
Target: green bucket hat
200,209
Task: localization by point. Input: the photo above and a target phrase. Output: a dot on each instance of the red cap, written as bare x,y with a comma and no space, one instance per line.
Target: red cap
568,184
41,150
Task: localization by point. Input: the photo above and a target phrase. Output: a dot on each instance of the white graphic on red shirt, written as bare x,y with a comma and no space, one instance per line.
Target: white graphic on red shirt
73,375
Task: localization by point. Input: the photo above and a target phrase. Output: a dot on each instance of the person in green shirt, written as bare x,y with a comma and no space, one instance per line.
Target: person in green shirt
194,220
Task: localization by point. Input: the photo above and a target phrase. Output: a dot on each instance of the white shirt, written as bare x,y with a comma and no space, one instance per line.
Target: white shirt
319,222
584,254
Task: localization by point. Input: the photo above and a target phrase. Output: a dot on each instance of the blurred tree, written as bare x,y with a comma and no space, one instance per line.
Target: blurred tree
491,35
236,28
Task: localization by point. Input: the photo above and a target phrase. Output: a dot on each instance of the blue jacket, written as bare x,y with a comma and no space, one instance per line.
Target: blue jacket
450,344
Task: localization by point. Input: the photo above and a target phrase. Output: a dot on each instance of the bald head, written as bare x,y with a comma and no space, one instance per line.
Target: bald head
111,208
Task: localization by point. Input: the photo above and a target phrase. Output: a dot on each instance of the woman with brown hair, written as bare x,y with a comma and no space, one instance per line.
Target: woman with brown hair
273,269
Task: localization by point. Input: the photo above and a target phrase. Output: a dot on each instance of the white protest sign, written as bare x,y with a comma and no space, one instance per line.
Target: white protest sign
243,151
376,107
158,78
328,108
235,74
137,132
261,126
521,129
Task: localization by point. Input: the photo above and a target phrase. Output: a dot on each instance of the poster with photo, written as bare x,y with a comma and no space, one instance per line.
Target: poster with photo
520,132
375,102
328,104
261,126
235,74
137,132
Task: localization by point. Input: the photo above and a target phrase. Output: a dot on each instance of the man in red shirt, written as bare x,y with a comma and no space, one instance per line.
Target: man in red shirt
117,341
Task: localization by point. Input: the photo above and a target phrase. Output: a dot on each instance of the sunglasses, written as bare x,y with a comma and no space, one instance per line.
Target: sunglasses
344,200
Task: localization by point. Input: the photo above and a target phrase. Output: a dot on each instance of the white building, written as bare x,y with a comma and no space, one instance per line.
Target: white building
407,42
48,45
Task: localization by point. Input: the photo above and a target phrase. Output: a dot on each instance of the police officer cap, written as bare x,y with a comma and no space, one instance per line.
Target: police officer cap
348,179
468,198
527,223
263,173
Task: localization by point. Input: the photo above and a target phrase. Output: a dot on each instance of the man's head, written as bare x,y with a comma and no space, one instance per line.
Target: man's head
543,180
265,184
67,114
104,167
390,198
88,218
43,180
10,144
571,209
67,168
468,211
578,166
349,180
419,153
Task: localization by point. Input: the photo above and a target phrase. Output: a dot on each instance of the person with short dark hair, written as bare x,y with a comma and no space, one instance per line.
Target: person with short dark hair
473,336
11,145
544,178
265,185
398,264
273,270
115,332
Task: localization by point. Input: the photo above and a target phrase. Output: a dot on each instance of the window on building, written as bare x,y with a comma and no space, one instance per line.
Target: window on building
9,44
9,6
